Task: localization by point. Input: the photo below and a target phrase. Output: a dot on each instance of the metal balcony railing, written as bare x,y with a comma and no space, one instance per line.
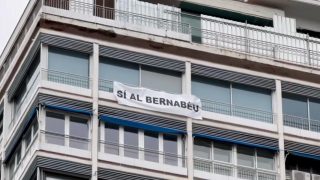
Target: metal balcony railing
228,169
301,123
126,17
66,140
67,78
238,111
143,154
25,159
21,106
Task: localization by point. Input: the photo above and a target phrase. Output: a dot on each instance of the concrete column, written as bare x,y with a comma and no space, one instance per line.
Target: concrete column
95,121
281,156
187,90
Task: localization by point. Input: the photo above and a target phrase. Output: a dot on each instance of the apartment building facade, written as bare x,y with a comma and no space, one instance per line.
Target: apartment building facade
254,65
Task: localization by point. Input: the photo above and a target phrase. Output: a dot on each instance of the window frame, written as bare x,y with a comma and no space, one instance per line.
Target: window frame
67,119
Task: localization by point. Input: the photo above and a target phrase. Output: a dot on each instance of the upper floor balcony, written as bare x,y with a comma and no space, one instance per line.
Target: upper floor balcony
279,43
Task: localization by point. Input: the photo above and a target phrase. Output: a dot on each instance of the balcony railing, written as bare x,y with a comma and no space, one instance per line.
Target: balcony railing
106,85
143,154
238,111
67,78
66,140
227,169
301,123
25,159
142,22
25,100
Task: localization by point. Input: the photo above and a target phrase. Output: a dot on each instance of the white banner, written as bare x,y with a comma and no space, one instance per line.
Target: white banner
179,104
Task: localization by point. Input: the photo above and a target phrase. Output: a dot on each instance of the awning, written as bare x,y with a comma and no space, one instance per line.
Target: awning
67,109
236,142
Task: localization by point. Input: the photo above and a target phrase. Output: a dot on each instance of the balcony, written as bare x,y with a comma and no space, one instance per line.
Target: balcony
144,158
238,111
19,169
293,48
301,123
221,170
21,106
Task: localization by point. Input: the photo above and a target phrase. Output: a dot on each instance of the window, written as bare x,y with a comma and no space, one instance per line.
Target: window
104,8
233,99
245,156
151,146
137,75
202,148
295,110
195,22
27,83
210,89
222,152
55,128
247,98
170,148
141,144
295,105
265,159
111,139
169,81
131,142
67,130
79,133
117,70
68,67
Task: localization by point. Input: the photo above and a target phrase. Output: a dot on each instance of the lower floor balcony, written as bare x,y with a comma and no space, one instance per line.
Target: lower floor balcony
227,171
143,158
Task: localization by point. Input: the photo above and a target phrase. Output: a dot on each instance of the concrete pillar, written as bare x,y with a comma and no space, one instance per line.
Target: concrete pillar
95,120
189,143
281,156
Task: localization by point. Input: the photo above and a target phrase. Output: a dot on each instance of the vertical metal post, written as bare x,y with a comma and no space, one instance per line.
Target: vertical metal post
246,35
308,50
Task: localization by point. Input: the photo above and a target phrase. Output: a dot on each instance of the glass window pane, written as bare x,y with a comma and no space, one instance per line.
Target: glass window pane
211,89
295,105
222,152
252,103
151,146
67,61
195,22
131,142
295,110
314,109
265,159
166,80
117,70
215,94
245,156
54,128
111,137
314,105
79,133
170,148
202,148
68,67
